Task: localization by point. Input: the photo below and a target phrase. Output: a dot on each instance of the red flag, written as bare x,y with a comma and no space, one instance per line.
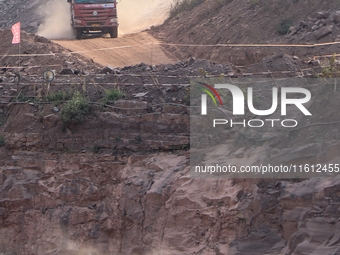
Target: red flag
16,33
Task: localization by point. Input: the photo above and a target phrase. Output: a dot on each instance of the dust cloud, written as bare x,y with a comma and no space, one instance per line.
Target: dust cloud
57,20
137,15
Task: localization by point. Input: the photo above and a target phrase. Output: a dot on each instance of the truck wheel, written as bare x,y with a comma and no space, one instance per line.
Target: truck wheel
78,33
114,32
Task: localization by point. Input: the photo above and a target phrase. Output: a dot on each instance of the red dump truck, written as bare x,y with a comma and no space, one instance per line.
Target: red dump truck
98,16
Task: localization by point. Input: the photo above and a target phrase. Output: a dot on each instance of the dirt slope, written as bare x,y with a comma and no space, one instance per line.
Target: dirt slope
124,51
250,22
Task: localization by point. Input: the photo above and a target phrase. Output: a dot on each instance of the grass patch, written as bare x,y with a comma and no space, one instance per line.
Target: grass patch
23,98
183,5
58,96
76,109
112,95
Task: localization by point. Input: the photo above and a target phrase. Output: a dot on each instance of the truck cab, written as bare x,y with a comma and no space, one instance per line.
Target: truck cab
99,16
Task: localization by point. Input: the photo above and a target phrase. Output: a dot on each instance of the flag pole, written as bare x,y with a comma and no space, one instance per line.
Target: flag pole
19,58
19,53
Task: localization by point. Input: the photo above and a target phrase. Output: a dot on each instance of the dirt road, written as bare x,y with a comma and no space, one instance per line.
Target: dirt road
124,51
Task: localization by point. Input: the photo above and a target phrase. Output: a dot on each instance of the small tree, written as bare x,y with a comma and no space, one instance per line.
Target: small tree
284,26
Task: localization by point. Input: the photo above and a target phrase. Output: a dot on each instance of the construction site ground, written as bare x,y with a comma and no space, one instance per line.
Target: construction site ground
119,182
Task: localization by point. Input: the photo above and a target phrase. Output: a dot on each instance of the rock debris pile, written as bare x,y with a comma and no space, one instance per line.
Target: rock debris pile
321,26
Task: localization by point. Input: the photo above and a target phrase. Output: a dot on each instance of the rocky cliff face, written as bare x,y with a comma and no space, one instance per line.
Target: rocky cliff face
83,203
53,203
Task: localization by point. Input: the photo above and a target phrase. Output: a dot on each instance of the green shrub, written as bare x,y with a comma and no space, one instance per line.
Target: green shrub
2,119
76,109
331,70
2,141
111,95
183,5
22,98
187,96
95,149
284,26
138,140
